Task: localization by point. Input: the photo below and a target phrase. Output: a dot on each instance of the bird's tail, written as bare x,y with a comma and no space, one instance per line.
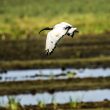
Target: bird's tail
46,28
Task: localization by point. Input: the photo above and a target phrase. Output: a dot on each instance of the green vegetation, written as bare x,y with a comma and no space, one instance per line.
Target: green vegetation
22,48
13,105
73,104
24,18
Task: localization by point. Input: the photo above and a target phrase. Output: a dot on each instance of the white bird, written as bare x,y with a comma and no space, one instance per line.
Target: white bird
56,33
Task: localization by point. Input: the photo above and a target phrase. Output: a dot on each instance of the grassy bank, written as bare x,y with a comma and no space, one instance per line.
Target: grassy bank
7,88
21,19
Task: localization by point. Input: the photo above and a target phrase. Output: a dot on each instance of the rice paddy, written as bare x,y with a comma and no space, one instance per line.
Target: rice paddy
21,48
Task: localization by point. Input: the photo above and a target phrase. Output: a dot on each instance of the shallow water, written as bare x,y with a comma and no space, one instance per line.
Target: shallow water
59,97
35,74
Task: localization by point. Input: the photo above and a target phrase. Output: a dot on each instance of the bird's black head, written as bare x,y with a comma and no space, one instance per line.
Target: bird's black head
72,31
67,27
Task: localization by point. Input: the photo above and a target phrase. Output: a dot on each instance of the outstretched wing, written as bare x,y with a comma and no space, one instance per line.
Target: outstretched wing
55,35
51,41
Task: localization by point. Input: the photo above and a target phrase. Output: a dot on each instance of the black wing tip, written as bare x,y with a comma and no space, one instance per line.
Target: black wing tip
77,31
47,52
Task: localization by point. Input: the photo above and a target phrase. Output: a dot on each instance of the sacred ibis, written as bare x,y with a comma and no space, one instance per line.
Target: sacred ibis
56,33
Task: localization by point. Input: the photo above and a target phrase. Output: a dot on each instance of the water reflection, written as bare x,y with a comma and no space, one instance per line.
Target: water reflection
59,97
18,75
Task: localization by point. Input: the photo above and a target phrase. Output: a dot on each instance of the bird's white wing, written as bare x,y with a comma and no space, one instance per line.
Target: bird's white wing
65,24
52,39
59,30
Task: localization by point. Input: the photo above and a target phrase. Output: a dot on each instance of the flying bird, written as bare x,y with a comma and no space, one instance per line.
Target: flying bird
56,33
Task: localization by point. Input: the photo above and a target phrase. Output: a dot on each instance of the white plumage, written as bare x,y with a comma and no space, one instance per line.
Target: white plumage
56,33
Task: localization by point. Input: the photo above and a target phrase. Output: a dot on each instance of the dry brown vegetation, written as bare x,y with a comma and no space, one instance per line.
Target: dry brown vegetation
81,51
53,85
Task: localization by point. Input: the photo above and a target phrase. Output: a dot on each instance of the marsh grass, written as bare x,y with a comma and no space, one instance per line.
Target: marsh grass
13,104
70,74
29,26
23,18
71,105
41,104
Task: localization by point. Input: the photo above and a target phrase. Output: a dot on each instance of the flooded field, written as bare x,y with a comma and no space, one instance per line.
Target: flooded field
60,97
79,80
75,77
45,74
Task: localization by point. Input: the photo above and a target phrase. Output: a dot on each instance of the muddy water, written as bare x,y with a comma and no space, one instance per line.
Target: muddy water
59,97
35,74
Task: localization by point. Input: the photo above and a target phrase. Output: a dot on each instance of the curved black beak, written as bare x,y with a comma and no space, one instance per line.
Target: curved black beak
76,31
